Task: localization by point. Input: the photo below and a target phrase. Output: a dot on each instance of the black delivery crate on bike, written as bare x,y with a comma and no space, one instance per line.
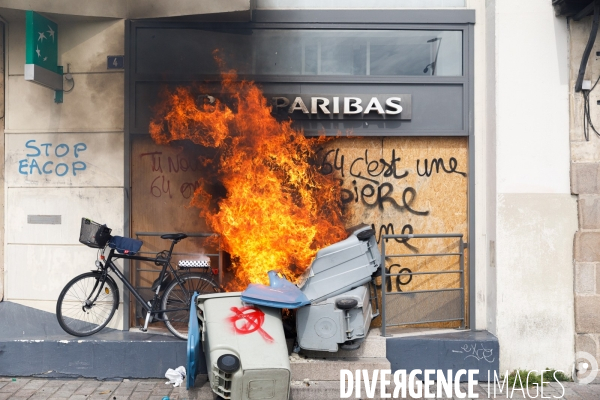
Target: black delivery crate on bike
93,234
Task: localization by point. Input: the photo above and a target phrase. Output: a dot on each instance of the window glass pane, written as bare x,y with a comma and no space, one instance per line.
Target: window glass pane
303,52
384,53
356,4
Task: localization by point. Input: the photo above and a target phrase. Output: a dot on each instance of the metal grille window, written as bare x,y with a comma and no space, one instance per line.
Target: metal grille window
440,304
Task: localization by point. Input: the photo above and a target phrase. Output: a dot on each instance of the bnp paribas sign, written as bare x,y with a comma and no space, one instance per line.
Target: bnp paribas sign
364,106
41,52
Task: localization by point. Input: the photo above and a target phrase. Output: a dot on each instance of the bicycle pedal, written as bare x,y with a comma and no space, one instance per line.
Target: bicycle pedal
143,329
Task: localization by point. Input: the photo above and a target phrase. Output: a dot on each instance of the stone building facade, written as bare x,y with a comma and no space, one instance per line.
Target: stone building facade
585,185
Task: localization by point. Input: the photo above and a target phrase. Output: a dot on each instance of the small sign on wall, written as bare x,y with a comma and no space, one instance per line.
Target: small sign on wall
115,62
41,53
44,219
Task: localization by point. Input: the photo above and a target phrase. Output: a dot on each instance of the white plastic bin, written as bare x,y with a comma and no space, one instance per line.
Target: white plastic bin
245,348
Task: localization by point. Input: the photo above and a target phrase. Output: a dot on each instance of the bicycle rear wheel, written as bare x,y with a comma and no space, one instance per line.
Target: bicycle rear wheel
178,300
86,305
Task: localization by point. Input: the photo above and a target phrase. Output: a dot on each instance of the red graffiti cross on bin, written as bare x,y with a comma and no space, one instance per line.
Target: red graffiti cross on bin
247,320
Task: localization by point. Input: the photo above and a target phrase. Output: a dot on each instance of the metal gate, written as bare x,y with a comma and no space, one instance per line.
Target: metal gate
422,306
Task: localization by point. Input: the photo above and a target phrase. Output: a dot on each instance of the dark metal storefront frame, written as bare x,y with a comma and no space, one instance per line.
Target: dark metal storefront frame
461,20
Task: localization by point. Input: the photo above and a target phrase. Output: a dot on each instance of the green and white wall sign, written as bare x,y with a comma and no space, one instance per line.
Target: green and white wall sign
41,52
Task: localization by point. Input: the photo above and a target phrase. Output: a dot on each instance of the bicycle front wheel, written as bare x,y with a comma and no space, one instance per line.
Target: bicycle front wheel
86,305
177,299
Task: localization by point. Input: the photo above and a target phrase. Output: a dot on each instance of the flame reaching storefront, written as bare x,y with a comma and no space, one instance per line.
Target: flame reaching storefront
317,130
276,209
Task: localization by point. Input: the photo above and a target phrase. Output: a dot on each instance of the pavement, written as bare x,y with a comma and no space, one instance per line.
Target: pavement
150,389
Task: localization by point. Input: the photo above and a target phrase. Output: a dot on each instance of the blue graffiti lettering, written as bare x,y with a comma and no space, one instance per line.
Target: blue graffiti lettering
62,145
44,167
46,145
81,167
61,165
32,165
32,147
79,147
22,164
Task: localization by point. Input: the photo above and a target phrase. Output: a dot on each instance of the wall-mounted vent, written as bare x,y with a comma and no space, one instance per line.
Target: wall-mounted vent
44,219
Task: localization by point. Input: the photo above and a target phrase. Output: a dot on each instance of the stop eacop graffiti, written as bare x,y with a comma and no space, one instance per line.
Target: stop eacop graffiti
38,163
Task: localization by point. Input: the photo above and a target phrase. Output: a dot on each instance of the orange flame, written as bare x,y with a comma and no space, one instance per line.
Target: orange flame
278,209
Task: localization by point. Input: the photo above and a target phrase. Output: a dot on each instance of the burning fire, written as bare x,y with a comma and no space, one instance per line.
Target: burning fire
277,210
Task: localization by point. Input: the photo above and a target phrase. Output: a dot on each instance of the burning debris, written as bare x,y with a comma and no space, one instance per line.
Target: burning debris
274,210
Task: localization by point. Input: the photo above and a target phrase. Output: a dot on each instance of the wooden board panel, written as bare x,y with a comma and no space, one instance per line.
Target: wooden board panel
407,185
398,185
163,179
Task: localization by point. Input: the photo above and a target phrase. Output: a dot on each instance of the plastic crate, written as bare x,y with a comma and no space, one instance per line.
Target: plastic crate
94,235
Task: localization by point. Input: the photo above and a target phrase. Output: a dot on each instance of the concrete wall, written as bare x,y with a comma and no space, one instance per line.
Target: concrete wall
535,215
489,232
81,144
585,165
131,9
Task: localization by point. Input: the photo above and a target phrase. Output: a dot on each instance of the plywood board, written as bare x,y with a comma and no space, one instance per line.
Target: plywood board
407,185
397,185
163,179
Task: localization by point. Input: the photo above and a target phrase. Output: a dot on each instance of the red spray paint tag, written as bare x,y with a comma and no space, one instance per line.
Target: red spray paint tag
247,320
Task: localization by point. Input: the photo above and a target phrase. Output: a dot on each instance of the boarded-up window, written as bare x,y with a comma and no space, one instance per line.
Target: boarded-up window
399,185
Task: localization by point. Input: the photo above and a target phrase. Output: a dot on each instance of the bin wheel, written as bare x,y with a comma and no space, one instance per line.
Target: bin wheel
346,303
351,345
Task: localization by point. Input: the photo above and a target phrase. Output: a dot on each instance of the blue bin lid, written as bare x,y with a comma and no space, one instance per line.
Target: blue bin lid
193,345
280,293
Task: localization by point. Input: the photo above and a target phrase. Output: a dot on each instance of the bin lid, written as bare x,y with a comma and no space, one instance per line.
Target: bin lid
280,293
193,345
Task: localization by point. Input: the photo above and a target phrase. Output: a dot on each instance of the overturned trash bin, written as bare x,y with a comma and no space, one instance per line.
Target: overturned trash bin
336,269
245,348
334,298
343,265
343,319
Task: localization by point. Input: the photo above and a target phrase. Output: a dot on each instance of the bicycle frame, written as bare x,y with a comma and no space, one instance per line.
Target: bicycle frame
109,265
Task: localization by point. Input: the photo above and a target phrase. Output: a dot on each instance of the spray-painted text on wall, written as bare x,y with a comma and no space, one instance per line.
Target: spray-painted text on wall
404,186
52,159
165,167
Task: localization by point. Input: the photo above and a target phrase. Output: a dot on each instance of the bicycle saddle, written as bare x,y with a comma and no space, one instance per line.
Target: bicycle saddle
174,236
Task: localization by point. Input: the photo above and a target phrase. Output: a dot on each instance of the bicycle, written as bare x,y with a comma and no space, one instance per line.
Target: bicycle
88,302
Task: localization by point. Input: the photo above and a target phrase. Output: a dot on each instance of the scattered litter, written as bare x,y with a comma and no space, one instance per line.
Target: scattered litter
105,392
175,376
307,382
297,357
166,398
14,379
125,380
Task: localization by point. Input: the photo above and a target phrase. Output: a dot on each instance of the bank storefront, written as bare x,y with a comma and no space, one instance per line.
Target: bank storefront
395,89
393,92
